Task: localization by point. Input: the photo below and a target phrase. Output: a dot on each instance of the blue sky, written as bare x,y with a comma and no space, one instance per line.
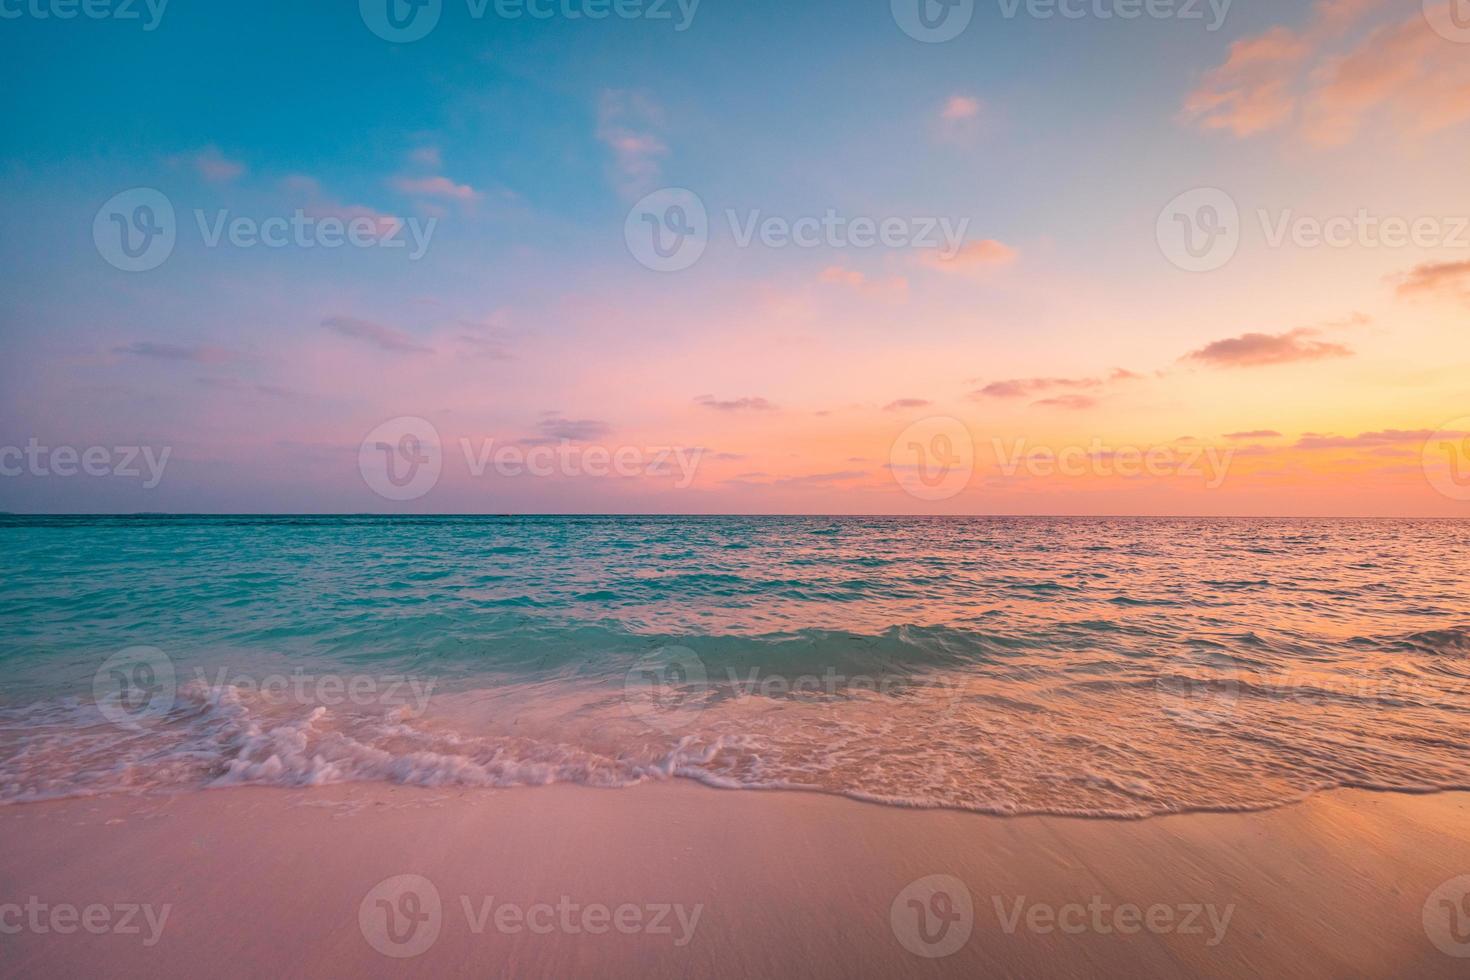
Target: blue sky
527,142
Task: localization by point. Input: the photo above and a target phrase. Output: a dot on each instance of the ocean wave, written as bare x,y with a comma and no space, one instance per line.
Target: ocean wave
1091,667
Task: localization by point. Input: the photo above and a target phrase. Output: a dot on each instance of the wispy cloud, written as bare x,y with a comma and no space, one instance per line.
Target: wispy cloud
381,336
960,107
1075,403
972,258
821,479
315,203
960,118
427,156
735,404
901,404
628,124
1023,387
1443,278
436,186
235,384
1261,349
178,352
1254,434
1384,437
1328,86
213,165
894,288
554,428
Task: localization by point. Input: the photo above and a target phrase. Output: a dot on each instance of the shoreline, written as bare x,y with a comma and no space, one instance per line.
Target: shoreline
464,790
265,880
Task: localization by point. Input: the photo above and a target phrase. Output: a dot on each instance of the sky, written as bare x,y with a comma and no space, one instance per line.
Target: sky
583,256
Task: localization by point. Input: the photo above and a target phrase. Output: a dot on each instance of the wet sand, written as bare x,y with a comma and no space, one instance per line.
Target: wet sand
679,880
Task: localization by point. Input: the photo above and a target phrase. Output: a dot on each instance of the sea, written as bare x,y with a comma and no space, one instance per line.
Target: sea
1112,668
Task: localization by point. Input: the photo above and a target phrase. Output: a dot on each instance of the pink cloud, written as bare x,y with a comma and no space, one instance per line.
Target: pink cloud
380,336
436,187
747,404
627,124
1444,278
213,165
1022,387
891,288
1328,89
972,258
317,205
1076,403
179,352
960,107
1250,92
1385,437
1260,349
1406,70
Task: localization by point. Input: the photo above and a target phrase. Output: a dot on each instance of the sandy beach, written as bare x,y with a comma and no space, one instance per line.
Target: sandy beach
680,880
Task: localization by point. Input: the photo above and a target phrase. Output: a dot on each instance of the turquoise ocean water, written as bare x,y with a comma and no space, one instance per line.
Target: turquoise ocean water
1104,667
